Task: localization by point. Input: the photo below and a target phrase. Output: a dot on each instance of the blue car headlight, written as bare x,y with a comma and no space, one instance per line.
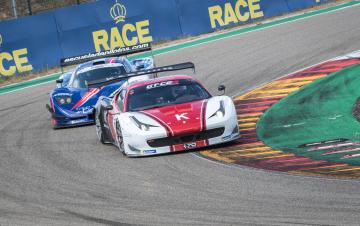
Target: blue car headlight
63,99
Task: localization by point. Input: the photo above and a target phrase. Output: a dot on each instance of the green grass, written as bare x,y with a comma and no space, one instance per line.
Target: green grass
317,112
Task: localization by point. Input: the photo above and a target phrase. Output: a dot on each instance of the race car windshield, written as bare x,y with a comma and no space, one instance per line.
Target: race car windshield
164,94
82,78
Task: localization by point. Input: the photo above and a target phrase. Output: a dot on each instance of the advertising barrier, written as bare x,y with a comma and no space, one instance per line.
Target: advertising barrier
297,5
108,24
203,16
28,44
39,42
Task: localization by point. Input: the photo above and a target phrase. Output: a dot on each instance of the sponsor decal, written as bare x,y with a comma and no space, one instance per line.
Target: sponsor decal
118,50
85,110
77,121
129,34
160,84
183,116
190,146
240,12
63,94
150,151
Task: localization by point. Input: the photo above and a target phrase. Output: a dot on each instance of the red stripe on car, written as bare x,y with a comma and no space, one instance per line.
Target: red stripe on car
86,97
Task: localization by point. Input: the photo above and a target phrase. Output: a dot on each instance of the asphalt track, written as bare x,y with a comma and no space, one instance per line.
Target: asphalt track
66,177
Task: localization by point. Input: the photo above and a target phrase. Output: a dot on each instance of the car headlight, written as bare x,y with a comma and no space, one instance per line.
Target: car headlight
63,100
220,113
68,100
142,126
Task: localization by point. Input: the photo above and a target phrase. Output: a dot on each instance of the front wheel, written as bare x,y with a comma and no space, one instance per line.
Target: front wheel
99,130
120,139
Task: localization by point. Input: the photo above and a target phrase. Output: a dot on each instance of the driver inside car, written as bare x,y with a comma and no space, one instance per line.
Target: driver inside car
179,92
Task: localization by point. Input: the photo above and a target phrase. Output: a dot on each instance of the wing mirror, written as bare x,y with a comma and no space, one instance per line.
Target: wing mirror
59,81
48,108
109,107
222,88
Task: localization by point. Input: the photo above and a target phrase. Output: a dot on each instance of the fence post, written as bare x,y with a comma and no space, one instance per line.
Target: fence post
29,7
13,2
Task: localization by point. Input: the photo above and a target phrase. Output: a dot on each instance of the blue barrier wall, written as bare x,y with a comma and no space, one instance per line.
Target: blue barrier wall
297,5
202,16
77,24
39,42
29,43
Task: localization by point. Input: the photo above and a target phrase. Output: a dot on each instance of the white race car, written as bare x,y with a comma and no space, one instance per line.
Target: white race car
167,114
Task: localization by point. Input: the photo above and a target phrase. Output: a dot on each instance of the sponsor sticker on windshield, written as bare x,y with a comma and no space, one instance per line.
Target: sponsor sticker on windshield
161,84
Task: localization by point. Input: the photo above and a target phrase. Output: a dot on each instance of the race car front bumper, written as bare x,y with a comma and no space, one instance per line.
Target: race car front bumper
157,146
61,121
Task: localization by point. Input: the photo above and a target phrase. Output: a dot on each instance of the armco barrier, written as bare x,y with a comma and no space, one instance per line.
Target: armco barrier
39,42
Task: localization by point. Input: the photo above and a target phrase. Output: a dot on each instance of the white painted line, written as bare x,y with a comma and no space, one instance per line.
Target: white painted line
15,90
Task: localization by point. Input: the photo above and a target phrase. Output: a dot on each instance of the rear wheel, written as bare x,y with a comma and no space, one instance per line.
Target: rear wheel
120,139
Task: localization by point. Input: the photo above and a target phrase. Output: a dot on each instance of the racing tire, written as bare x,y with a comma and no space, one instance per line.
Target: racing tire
99,130
120,139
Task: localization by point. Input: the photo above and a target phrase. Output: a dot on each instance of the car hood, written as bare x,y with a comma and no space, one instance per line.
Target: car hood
83,99
186,118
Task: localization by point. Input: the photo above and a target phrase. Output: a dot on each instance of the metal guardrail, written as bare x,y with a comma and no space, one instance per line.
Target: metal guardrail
16,8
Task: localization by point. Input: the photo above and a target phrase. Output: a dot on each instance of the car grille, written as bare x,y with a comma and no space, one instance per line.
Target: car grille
169,141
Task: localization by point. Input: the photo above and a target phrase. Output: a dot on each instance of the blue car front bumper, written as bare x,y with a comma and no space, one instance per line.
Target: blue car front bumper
70,120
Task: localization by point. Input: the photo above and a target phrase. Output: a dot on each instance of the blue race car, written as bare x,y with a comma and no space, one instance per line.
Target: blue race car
72,102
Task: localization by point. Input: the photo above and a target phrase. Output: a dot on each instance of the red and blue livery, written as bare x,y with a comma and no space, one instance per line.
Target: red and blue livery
72,102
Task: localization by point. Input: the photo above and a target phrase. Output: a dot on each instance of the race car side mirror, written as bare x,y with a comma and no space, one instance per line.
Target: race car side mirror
59,81
222,88
109,107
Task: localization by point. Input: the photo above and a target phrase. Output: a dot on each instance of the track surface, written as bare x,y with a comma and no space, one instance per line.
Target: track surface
66,177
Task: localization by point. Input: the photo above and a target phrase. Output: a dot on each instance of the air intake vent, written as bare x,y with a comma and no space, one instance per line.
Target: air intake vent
99,62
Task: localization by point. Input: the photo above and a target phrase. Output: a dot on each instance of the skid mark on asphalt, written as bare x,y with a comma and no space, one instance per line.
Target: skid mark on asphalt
250,151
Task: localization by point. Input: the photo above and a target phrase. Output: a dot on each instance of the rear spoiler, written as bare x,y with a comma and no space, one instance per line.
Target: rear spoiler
175,67
104,54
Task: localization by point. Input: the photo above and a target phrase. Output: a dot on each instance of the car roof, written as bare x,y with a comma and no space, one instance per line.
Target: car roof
137,84
102,61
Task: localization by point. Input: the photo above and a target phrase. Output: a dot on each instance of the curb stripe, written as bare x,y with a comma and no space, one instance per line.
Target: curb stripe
250,151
